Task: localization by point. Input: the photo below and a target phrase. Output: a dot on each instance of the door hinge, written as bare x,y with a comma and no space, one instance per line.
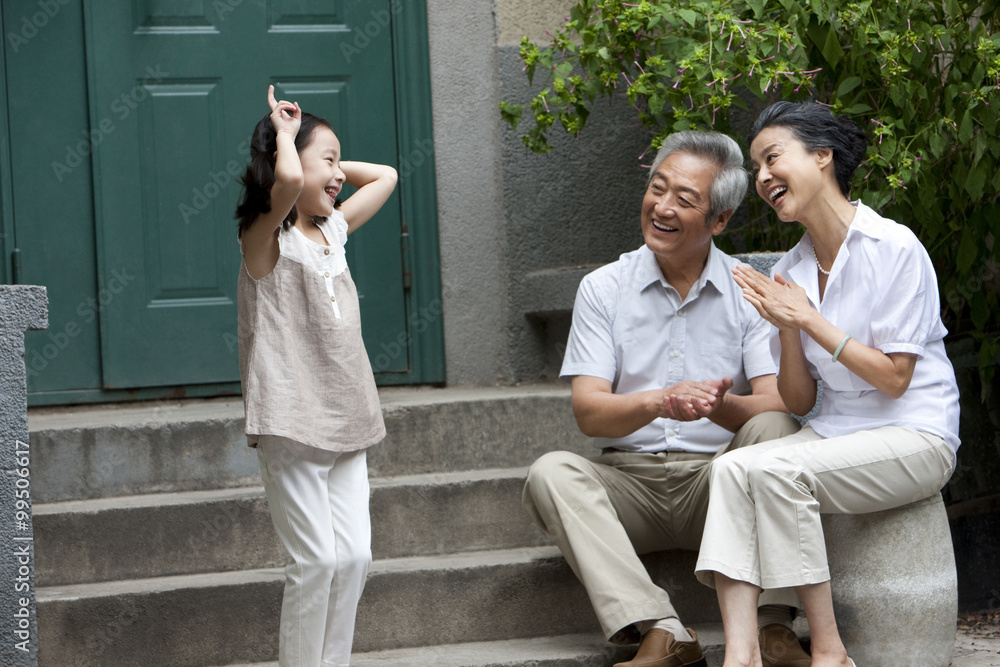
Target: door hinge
405,249
15,266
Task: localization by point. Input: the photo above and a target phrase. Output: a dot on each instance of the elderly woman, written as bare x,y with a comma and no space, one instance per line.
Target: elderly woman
855,304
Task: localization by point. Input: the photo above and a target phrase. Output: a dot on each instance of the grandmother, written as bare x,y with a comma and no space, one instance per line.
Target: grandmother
854,304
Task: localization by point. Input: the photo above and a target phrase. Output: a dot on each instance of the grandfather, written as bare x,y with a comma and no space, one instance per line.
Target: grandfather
670,367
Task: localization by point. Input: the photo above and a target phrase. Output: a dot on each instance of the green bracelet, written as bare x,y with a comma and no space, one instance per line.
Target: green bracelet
840,348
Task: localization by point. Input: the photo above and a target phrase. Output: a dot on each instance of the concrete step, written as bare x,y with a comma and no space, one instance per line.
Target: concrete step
162,447
587,650
219,618
156,535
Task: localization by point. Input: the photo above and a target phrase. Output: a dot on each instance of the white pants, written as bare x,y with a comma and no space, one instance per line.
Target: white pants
763,524
319,505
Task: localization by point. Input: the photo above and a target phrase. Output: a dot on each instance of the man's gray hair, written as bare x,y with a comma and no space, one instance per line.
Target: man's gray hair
729,186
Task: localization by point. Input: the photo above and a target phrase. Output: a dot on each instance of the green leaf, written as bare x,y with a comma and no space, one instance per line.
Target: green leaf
975,181
989,121
847,85
968,248
825,37
980,310
690,16
965,128
988,352
511,113
604,53
936,142
879,198
900,96
978,148
757,6
856,109
887,148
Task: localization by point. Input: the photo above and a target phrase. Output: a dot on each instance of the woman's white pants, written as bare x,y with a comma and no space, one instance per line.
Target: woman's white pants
319,505
763,524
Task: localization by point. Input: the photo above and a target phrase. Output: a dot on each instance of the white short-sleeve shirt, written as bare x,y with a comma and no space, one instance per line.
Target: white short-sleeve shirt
631,327
883,291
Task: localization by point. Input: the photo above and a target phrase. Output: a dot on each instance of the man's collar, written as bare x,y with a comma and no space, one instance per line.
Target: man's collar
649,272
716,271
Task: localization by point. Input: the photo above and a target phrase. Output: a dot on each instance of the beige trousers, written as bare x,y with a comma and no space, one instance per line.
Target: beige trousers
602,513
763,522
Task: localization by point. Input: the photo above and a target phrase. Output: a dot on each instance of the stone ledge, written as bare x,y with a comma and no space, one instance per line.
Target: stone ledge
894,584
554,290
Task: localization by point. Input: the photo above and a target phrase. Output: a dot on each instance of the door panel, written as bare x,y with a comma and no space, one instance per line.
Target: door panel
50,138
182,84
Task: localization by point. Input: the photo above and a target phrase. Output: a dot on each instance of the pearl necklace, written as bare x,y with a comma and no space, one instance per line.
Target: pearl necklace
820,266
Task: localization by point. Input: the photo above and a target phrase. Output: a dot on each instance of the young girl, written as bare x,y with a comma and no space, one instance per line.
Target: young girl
308,389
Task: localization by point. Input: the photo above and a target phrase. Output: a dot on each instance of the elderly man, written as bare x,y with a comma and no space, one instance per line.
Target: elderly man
670,367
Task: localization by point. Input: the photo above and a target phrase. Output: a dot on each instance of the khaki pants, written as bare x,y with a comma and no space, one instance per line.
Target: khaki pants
763,522
602,513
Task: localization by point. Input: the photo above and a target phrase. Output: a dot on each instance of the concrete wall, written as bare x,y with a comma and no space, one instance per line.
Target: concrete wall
465,90
515,226
22,307
531,18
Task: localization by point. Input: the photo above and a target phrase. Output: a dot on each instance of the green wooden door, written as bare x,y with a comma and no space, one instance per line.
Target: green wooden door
175,88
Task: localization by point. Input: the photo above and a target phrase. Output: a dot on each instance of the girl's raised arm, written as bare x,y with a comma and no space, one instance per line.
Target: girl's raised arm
375,183
260,246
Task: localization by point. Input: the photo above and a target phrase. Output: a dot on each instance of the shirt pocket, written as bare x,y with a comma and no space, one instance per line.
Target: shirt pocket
718,361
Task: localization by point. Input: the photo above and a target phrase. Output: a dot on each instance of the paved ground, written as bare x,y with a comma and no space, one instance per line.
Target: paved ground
977,643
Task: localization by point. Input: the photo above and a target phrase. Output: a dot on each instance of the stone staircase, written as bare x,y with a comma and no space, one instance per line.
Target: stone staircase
154,546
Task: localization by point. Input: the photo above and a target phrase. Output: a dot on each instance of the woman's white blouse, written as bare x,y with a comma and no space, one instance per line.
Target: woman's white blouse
328,261
882,290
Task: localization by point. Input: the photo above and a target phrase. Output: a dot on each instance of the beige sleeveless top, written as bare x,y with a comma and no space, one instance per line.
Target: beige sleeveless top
303,364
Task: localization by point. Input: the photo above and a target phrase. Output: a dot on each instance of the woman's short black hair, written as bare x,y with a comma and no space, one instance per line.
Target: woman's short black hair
259,177
816,127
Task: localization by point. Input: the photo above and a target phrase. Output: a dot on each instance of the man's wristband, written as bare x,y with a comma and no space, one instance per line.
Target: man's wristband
840,348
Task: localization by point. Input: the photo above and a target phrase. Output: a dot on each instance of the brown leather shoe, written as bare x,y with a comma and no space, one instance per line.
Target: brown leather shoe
659,649
779,647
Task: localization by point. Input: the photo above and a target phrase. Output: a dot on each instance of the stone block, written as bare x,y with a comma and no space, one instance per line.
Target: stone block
761,261
894,584
22,307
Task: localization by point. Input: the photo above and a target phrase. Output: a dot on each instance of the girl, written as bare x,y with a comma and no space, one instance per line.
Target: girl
855,304
308,389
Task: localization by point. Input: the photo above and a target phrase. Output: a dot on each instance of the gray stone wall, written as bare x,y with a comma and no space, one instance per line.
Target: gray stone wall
514,226
466,91
21,308
577,205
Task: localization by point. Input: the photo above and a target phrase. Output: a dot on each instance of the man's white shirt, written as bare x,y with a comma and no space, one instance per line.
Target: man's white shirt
631,327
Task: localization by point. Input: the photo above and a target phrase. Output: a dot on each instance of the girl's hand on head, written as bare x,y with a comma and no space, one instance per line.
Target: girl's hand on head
285,116
782,303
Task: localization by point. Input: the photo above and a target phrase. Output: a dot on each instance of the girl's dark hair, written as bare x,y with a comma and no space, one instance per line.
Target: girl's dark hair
259,177
816,127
